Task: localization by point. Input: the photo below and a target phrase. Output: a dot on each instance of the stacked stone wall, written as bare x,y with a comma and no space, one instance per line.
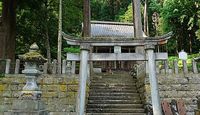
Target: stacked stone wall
144,88
181,86
59,93
173,86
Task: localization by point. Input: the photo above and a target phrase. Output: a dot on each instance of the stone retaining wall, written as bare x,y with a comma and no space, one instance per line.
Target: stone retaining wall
144,88
59,93
174,86
182,86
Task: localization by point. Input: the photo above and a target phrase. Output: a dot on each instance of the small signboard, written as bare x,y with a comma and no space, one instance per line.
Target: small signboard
117,49
182,55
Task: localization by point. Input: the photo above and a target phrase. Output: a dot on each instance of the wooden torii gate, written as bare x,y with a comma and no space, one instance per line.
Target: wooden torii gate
148,43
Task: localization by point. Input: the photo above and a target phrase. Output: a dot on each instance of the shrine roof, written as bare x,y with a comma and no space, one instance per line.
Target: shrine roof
126,41
111,29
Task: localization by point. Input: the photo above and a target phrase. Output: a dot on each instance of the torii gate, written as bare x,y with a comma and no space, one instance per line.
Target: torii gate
147,42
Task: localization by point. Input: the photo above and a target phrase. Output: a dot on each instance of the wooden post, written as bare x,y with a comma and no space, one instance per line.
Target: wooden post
17,66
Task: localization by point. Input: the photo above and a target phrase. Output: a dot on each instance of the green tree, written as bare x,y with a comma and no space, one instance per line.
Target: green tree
37,21
108,10
181,17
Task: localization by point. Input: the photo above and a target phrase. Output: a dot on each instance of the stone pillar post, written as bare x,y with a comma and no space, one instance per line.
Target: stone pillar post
194,66
166,66
8,61
175,66
185,68
153,80
63,66
83,78
69,68
45,68
73,67
17,66
54,70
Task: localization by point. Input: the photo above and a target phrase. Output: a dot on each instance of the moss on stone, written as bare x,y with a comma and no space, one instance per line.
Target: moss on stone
63,88
32,56
2,87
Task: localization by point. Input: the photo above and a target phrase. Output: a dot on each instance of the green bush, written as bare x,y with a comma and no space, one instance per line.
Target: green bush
72,50
188,61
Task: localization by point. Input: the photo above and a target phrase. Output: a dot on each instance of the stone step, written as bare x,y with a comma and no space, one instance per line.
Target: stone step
116,113
115,105
114,110
112,90
114,101
113,84
113,77
114,97
112,94
111,87
123,78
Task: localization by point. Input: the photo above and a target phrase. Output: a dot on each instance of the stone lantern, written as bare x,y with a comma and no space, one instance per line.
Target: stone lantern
29,102
32,59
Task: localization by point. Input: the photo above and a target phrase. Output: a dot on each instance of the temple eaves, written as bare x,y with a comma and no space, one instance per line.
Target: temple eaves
113,41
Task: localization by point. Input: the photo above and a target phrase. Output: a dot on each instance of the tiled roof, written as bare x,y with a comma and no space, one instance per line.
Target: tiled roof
111,29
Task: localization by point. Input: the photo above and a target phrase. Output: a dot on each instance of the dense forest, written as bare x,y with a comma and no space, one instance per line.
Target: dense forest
37,21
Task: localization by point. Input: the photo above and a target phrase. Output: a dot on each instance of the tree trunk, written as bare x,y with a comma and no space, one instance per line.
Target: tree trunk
86,18
48,45
8,27
146,28
59,38
137,19
46,36
138,24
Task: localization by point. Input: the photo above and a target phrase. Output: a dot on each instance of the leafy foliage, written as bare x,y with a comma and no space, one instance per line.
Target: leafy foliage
180,16
72,50
38,20
108,10
188,61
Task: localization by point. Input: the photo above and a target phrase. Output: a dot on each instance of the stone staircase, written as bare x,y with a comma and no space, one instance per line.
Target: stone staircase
114,94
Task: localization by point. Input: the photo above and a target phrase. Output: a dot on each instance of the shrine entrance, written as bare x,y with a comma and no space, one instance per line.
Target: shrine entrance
148,43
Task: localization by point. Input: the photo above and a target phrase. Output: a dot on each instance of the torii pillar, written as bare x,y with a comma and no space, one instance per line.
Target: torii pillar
83,72
155,98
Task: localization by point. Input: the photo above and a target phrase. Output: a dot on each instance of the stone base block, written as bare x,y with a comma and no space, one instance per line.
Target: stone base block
97,70
27,107
42,112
